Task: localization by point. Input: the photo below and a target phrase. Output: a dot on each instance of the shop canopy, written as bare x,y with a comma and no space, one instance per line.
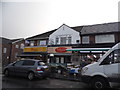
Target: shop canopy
88,49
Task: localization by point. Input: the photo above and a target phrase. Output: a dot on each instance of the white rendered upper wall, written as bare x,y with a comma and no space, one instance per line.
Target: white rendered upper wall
64,31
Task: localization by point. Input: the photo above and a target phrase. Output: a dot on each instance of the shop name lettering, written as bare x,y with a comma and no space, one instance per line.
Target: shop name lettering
61,49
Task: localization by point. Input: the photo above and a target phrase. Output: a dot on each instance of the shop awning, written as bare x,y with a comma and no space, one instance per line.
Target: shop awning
88,49
31,54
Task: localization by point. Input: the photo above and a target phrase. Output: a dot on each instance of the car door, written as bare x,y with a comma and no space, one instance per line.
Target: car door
28,65
111,66
18,68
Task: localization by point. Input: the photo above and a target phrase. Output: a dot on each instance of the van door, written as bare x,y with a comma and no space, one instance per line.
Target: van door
111,66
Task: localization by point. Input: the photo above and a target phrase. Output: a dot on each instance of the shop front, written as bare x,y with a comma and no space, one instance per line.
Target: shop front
87,55
35,52
59,55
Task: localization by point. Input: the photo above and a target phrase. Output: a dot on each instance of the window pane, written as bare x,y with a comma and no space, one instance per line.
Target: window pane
19,63
57,40
62,59
4,50
29,63
43,42
69,40
57,59
104,38
63,40
85,39
117,56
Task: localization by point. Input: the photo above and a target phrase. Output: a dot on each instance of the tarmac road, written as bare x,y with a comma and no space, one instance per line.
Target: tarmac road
19,82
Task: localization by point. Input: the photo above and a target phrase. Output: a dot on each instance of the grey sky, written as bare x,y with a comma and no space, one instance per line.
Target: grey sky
25,19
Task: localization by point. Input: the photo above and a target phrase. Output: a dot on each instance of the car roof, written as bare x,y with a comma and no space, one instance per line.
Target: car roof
33,60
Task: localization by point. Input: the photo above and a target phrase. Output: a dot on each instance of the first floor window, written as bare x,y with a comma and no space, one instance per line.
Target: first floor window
4,50
69,40
57,40
31,43
108,38
85,39
63,40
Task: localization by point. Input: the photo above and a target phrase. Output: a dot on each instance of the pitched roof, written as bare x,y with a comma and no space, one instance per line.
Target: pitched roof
101,28
46,34
87,29
5,40
41,36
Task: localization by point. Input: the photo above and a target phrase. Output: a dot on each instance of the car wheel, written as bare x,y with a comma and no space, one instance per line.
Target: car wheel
99,83
31,76
6,73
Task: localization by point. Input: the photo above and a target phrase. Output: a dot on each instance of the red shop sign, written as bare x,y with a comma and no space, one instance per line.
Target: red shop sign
61,49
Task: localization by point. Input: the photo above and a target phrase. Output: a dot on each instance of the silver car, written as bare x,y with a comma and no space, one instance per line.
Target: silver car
28,68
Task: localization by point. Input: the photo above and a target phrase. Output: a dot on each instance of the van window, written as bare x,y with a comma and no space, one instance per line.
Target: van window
112,58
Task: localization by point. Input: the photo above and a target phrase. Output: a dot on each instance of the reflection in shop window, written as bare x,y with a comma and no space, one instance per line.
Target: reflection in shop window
57,60
62,59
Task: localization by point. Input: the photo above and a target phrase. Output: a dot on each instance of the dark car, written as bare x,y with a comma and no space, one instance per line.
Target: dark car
28,68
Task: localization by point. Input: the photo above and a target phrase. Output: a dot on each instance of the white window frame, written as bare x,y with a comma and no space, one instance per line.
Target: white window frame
63,40
69,40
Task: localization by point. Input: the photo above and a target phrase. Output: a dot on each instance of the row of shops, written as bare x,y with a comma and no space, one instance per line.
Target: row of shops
63,55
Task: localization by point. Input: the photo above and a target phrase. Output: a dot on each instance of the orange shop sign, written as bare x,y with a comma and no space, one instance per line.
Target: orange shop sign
35,49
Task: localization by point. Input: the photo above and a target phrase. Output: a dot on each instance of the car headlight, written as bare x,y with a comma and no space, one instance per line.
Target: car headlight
84,70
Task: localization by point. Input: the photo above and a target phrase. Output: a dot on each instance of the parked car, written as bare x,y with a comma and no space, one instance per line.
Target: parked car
28,68
106,72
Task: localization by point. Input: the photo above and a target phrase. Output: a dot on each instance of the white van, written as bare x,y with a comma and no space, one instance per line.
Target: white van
106,72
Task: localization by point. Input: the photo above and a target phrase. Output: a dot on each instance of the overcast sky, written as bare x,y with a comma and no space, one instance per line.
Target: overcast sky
26,18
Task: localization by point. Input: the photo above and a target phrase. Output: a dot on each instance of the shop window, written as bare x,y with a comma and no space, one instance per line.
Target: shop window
57,59
62,59
16,55
85,39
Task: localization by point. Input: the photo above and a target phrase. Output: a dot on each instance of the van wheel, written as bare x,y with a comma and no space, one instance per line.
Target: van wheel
30,76
6,73
99,83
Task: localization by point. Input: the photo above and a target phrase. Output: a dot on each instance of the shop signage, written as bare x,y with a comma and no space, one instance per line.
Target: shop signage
58,50
35,49
61,49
